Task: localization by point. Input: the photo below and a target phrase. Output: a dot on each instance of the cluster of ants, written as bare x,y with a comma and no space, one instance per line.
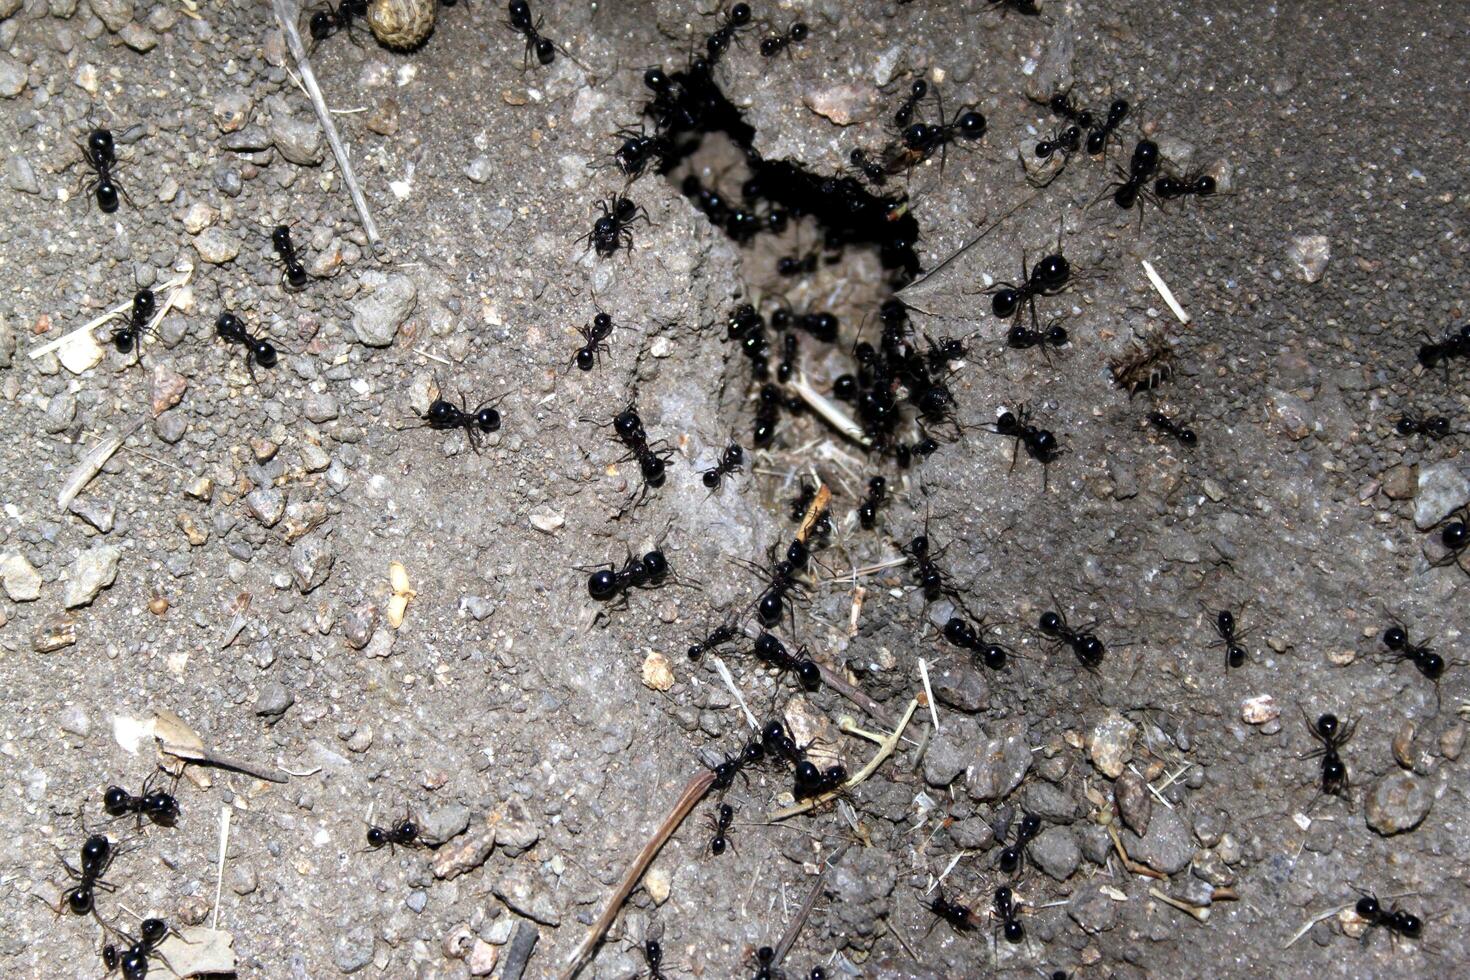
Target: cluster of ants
126,954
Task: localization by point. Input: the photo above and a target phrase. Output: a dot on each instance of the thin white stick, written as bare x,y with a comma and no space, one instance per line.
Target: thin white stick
1313,921
224,843
729,680
828,410
929,693
287,11
867,570
1165,292
434,357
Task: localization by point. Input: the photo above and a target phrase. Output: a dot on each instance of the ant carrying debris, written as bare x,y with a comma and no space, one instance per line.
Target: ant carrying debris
1182,434
293,272
130,334
132,960
721,826
1013,855
520,22
329,20
1089,649
774,652
1097,139
732,460
611,231
595,337
232,330
100,156
1332,735
1224,624
1041,444
774,44
404,833
919,141
97,855
1414,424
444,414
159,806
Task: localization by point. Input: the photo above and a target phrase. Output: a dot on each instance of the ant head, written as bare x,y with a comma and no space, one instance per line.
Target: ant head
1395,637
143,304
229,326
1327,725
1052,272
281,238
96,849
99,142
1455,535
115,800
152,931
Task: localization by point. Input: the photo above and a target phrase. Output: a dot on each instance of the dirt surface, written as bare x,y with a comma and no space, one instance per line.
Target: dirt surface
252,522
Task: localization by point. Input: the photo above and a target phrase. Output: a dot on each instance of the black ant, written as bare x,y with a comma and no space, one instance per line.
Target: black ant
611,231
100,155
943,351
97,855
520,22
1026,8
959,917
1454,344
652,463
732,460
963,634
729,767
159,806
905,114
130,334
802,502
1061,104
774,652
828,780
871,169
794,265
1413,424
721,825
931,577
765,965
1423,657
324,23
1229,638
1008,910
717,43
1041,444
774,44
920,140
1060,145
714,639
1454,536
231,329
1134,185
868,509
1088,648
653,955
787,368
1048,277
1332,735
444,414
648,572
1182,434
1013,855
638,150
595,342
1169,188
782,587
404,833
132,961
1097,139
294,272
1022,337
1397,921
